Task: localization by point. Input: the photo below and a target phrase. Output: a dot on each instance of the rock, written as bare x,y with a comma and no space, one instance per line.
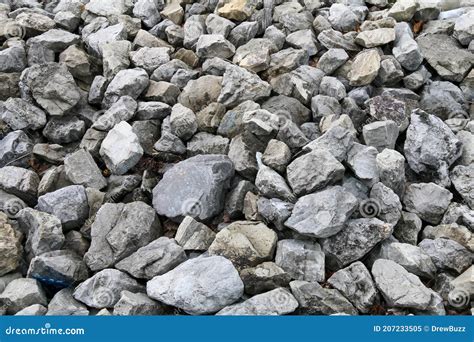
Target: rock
81,169
104,289
381,134
20,114
389,206
15,149
69,204
214,45
58,268
44,231
216,24
20,182
410,292
332,59
365,68
377,37
463,28
10,246
238,10
362,161
21,293
122,110
386,107
245,243
302,260
64,130
275,211
277,155
332,87
198,94
32,310
391,169
403,10
193,235
120,230
264,277
255,55
64,304
44,82
131,82
463,181
453,231
418,200
303,39
183,122
239,85
316,300
412,258
405,48
136,304
121,149
322,214
279,301
156,258
332,39
243,32
270,184
354,241
207,178
437,47
356,284
407,228
447,254
198,286
304,179
162,92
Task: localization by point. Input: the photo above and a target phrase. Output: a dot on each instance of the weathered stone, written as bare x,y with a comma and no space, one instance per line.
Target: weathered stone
15,149
103,290
447,254
207,178
365,68
354,241
302,260
20,114
279,301
20,182
214,45
381,134
69,204
245,243
193,235
316,300
10,246
463,181
64,304
322,214
81,169
356,284
418,200
198,286
264,277
136,304
118,231
21,293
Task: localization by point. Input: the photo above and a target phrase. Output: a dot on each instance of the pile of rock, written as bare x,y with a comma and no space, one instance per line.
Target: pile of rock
236,157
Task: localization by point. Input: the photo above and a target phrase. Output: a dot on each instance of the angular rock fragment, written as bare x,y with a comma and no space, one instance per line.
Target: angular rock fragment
21,293
198,286
193,235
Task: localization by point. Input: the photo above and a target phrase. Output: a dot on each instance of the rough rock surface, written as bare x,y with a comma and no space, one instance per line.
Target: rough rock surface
242,156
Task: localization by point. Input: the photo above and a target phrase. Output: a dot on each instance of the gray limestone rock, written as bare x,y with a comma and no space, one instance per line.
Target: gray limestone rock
21,293
264,277
156,258
202,285
193,235
302,260
81,169
447,254
206,178
418,199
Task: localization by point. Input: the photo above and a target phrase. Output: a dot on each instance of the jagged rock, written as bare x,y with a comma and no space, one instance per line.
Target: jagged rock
302,260
198,286
120,230
69,204
136,304
21,293
323,213
198,94
418,200
463,181
391,169
452,231
20,114
279,301
81,169
193,235
356,284
447,254
316,300
264,277
10,246
245,243
20,182
354,241
64,304
365,68
15,149
104,289
407,228
207,178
